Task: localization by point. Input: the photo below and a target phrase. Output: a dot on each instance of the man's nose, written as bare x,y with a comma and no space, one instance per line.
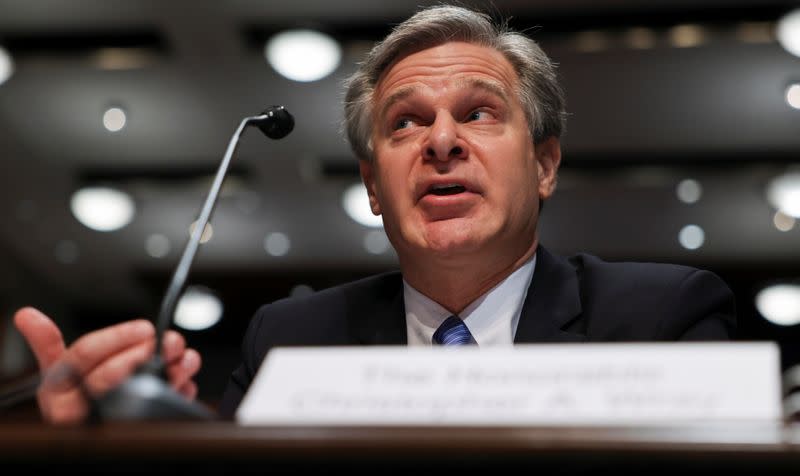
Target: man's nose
444,141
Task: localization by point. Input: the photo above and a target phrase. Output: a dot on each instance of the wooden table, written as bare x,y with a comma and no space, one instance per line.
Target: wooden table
226,448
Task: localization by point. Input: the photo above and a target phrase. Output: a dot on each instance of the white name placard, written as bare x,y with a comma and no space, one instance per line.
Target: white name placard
547,384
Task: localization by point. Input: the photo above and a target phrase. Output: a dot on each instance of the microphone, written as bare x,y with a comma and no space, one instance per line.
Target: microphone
275,122
147,395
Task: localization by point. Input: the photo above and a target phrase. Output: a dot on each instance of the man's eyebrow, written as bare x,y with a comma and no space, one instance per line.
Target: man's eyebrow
492,87
396,97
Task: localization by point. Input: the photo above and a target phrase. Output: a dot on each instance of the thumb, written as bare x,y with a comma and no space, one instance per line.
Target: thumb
42,335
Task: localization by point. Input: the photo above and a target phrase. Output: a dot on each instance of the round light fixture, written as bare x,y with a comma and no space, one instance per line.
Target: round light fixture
6,65
782,221
208,232
303,55
102,208
376,242
687,35
355,202
198,309
691,237
689,191
788,32
277,244
114,119
157,245
780,304
783,193
793,95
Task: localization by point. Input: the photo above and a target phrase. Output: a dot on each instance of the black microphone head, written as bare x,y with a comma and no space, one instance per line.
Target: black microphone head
277,124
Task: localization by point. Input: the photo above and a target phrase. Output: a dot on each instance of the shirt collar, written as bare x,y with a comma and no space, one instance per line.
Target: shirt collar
492,318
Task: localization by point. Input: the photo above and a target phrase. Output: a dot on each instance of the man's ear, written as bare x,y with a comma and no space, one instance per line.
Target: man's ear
365,167
548,159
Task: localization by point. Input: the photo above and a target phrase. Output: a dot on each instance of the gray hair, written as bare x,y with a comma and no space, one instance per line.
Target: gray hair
539,91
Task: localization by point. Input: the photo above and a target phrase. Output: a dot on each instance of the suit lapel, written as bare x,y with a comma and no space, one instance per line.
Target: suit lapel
379,314
552,302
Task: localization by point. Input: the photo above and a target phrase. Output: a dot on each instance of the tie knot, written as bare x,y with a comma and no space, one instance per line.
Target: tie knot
453,331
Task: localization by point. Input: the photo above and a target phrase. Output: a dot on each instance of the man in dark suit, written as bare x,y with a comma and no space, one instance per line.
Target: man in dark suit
581,299
456,123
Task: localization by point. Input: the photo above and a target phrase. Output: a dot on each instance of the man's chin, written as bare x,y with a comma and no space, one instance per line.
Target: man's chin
443,242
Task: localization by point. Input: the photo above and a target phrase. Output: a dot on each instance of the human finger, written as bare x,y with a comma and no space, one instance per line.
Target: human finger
183,369
115,369
173,346
188,390
96,347
42,334
63,408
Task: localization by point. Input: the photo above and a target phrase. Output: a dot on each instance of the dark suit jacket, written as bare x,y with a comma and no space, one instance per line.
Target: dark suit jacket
580,299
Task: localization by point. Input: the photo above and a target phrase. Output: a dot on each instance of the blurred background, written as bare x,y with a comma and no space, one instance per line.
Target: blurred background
683,146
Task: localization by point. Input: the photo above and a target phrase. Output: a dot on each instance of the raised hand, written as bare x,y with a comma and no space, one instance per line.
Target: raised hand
97,362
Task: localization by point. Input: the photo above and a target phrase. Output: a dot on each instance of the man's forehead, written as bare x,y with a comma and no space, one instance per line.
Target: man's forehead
467,84
457,65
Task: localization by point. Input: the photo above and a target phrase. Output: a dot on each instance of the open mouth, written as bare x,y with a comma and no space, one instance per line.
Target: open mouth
448,189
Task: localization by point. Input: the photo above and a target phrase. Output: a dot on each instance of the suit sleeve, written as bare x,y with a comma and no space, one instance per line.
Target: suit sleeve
242,376
704,309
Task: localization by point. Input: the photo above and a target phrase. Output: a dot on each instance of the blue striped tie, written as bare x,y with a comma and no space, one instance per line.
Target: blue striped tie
453,331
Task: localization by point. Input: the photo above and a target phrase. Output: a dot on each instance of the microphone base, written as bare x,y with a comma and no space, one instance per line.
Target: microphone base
144,397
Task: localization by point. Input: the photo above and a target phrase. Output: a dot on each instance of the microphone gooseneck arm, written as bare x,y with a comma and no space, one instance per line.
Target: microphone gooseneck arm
178,280
276,123
147,395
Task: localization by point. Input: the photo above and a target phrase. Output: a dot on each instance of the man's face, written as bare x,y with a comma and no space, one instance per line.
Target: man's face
455,170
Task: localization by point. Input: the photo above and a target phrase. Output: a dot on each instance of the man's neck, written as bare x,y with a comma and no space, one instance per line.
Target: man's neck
455,284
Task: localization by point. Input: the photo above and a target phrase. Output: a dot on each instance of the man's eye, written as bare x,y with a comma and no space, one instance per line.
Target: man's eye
402,123
475,115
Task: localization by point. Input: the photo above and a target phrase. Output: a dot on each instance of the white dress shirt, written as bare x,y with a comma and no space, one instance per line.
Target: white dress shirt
492,318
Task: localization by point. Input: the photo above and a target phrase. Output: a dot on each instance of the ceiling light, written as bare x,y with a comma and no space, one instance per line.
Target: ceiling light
640,38
755,32
782,221
303,55
208,232
355,202
793,95
114,119
780,304
783,193
6,65
122,58
689,191
591,41
277,244
198,309
687,36
376,242
691,237
157,245
102,208
788,32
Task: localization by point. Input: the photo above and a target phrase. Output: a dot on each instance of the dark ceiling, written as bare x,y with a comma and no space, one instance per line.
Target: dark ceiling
641,120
